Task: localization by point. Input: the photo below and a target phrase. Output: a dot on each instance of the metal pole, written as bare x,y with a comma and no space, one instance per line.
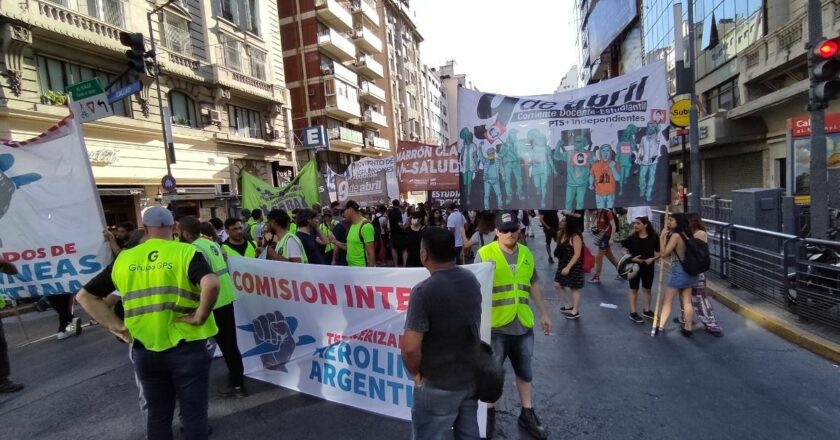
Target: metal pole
693,189
157,85
819,192
684,174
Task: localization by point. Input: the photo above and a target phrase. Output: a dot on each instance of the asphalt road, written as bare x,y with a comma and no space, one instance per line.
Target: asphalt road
600,377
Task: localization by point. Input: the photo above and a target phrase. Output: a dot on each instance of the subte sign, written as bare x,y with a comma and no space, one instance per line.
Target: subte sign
680,110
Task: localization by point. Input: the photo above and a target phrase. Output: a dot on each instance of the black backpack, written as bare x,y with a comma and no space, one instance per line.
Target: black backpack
697,259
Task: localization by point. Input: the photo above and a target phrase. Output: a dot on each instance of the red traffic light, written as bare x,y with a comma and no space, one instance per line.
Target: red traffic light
827,49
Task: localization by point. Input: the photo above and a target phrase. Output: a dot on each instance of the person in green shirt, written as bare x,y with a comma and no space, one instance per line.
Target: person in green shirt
360,237
288,247
6,386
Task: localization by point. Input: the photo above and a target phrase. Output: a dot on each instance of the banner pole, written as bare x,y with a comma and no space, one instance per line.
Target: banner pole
20,323
657,309
77,127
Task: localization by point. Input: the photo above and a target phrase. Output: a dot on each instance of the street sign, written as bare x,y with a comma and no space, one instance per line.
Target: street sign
168,183
680,112
124,91
88,101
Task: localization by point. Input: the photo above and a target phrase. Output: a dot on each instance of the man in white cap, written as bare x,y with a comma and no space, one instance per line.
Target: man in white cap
168,290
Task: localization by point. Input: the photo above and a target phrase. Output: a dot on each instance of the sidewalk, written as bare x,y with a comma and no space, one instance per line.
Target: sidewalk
819,339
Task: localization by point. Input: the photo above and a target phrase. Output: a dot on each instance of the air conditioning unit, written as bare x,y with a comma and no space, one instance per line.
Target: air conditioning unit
326,70
215,116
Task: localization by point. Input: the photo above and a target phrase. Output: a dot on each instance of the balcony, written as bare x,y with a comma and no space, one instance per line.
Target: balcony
367,40
370,68
345,138
367,10
342,107
377,143
102,18
337,70
333,14
371,93
374,119
336,44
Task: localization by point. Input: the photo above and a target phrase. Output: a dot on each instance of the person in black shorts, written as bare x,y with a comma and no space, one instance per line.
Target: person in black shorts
643,244
550,222
569,274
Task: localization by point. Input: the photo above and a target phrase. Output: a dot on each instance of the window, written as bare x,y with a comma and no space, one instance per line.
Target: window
230,10
182,109
233,53
176,34
245,122
243,13
55,75
257,64
723,97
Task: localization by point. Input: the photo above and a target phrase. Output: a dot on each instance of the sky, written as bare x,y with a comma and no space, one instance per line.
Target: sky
521,47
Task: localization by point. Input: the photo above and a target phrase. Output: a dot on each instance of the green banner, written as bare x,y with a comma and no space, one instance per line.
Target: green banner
302,192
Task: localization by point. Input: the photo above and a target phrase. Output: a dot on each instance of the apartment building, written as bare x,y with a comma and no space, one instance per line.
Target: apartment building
333,54
221,78
450,83
435,110
404,69
609,38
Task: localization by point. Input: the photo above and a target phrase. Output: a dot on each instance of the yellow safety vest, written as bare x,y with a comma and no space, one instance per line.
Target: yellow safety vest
156,290
250,250
327,232
214,257
511,290
283,250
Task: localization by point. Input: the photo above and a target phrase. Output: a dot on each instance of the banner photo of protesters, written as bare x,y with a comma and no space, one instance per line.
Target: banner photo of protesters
422,167
601,146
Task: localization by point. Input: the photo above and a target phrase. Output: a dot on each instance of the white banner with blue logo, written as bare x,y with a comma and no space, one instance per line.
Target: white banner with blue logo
50,221
334,332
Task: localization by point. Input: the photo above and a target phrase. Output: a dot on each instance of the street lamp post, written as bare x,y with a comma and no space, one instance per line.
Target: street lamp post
169,147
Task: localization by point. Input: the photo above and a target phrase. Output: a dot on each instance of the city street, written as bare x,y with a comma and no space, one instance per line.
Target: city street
599,377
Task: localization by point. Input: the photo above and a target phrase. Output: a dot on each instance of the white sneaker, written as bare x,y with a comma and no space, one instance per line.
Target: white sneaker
63,335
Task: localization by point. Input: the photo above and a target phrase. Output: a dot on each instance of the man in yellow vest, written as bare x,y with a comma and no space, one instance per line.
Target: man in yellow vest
287,247
168,292
223,312
515,285
236,243
6,386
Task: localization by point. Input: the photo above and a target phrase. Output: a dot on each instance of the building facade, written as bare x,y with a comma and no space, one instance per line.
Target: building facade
609,38
450,82
435,110
404,69
334,59
751,78
222,81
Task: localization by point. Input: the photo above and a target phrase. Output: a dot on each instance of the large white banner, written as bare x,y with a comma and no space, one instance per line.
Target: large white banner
50,222
335,332
367,167
600,146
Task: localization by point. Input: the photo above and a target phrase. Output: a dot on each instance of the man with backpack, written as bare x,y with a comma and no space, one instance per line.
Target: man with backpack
360,237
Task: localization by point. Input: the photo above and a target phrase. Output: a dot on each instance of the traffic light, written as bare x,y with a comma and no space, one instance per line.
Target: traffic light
137,51
825,70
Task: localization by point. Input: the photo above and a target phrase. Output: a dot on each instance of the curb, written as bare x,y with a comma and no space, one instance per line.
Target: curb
816,344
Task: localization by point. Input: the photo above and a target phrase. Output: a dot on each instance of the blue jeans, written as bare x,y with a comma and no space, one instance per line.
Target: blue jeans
181,373
440,414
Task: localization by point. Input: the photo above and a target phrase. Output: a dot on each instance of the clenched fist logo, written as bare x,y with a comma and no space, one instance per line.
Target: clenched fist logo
274,336
9,184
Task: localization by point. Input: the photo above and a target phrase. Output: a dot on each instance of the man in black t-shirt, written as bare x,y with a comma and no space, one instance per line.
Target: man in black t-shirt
550,222
399,239
441,340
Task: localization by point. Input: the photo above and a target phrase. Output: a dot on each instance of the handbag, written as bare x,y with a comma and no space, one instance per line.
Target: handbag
489,375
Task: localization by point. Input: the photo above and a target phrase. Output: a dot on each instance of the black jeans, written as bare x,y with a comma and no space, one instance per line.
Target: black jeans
226,338
181,373
4,356
63,305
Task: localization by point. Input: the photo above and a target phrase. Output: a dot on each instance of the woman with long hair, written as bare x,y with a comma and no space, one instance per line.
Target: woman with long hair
702,305
569,253
643,245
672,242
435,219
